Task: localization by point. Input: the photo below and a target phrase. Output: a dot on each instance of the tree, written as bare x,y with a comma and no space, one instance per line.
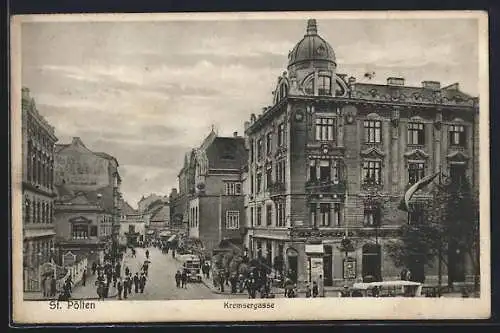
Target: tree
450,224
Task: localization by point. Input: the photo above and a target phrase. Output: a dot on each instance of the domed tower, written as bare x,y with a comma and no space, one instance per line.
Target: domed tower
312,65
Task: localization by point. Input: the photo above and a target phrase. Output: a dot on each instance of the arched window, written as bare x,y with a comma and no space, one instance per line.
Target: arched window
27,212
324,85
309,87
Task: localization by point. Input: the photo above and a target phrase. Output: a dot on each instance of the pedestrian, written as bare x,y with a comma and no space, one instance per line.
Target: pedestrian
130,281
233,281
147,254
142,282
119,287
315,290
106,289
44,289
136,283
403,274
173,253
53,287
408,275
178,277
221,281
184,278
345,292
94,268
321,286
127,270
84,277
69,283
308,291
125,289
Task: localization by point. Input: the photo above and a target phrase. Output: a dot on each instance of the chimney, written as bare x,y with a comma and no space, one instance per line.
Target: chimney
351,80
25,93
264,109
395,81
235,134
431,85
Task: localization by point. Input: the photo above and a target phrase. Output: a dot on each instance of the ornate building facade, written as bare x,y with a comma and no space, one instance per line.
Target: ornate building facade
333,157
88,203
38,192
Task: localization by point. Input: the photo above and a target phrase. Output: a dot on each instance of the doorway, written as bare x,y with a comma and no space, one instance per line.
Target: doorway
371,263
327,265
292,260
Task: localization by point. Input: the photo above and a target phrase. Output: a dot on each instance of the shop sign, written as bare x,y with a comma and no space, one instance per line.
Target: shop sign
349,268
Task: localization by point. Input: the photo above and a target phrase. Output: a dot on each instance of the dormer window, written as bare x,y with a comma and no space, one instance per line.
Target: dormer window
324,85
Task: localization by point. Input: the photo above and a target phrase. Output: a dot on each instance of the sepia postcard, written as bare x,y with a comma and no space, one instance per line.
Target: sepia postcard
250,167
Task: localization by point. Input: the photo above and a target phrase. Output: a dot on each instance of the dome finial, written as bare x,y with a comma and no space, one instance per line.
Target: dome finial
312,27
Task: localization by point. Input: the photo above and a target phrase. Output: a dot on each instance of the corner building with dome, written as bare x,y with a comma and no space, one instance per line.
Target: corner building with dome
333,157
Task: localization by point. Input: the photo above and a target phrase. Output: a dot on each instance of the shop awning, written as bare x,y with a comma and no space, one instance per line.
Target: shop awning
172,238
165,233
314,249
150,232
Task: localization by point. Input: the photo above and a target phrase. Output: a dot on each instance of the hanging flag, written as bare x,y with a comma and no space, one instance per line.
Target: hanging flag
415,187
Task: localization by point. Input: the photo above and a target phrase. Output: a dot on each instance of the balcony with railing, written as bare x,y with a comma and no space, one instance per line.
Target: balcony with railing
325,187
276,188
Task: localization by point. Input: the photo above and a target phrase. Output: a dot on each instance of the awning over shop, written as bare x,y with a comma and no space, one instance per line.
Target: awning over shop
172,238
314,249
150,232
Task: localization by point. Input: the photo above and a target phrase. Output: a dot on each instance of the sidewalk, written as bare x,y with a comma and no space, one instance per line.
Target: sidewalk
278,292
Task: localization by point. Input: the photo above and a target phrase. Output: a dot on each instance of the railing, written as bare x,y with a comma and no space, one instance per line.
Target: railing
328,186
276,188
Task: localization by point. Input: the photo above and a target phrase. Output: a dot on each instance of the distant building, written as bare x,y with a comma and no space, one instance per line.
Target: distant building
332,157
88,199
215,205
38,139
179,200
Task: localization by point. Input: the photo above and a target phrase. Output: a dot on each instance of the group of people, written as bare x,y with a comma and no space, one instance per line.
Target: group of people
124,286
255,282
181,278
49,286
107,275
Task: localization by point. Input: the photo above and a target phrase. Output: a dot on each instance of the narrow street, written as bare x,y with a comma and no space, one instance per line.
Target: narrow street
161,282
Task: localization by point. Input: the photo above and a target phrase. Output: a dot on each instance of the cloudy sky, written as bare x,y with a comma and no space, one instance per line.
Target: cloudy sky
146,92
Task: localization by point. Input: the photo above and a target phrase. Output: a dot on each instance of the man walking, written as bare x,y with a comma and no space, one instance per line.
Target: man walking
321,286
84,277
184,278
136,283
142,282
119,287
178,277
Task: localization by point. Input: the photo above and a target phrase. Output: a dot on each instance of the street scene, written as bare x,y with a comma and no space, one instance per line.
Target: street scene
256,159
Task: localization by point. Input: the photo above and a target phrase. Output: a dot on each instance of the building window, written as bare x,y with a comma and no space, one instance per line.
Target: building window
38,216
251,153
416,135
324,85
372,172
269,143
325,129
269,176
251,185
336,215
372,215
457,135
324,210
232,188
312,170
281,134
309,87
269,216
27,213
232,219
312,214
280,171
131,229
259,150
324,170
372,131
259,215
93,231
80,231
416,171
280,212
29,166
259,182
251,217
